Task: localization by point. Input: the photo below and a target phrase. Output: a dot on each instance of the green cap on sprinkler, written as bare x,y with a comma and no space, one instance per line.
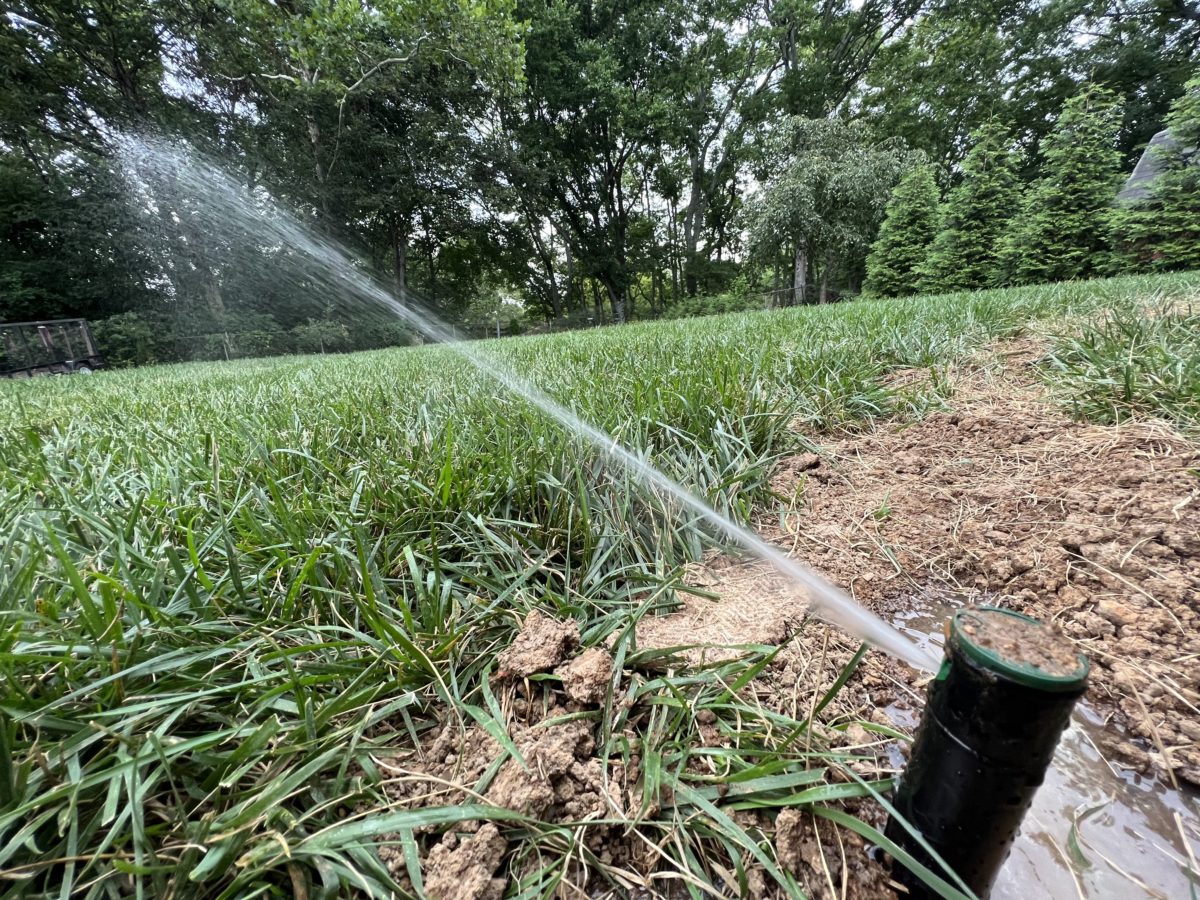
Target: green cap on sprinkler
1019,647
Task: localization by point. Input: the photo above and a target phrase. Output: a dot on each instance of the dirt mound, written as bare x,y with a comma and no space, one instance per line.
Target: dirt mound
1006,500
558,779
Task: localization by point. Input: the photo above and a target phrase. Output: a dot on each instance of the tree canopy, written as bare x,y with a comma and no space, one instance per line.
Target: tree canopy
606,160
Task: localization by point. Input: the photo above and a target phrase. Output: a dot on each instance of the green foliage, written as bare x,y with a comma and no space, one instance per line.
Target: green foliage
130,339
715,304
231,591
619,144
1134,363
495,307
1063,229
321,336
974,216
908,229
825,195
1162,232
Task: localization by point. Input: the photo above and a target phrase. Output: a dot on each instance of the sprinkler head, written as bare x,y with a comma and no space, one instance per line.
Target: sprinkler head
992,719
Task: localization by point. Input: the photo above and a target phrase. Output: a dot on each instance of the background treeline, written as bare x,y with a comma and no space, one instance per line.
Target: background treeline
562,162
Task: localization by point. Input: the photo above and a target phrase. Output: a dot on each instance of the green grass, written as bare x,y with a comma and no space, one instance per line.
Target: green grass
226,588
1132,363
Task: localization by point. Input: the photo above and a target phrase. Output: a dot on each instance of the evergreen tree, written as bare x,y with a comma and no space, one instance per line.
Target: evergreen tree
909,227
1062,230
1163,231
965,252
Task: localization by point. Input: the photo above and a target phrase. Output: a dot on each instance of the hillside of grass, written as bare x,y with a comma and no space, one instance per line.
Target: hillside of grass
228,587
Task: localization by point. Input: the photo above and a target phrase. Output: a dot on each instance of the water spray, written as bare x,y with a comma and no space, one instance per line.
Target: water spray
992,719
996,708
170,161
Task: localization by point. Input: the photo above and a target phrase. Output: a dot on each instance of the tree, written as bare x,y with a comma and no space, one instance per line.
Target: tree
593,104
963,62
495,311
724,72
965,253
908,229
1062,230
1162,232
825,197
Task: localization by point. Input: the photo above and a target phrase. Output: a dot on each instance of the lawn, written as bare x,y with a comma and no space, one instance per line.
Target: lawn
232,592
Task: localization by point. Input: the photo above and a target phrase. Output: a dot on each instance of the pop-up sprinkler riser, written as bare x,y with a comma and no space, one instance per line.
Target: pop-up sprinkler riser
993,717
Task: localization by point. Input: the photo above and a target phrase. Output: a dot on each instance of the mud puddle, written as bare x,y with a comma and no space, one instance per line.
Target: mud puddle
1095,830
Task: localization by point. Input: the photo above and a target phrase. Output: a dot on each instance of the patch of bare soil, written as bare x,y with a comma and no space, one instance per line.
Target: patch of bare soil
542,643
734,604
1005,500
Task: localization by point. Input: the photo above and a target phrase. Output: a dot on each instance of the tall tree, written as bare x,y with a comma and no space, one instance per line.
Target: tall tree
724,73
1062,230
826,48
909,227
965,253
824,199
593,103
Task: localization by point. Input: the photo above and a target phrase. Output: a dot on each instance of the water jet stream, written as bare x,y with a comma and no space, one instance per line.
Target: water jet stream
152,162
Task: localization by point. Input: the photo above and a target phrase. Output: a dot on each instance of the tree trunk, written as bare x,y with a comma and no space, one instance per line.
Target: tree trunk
800,275
400,263
570,265
826,265
213,298
553,293
597,306
691,235
618,304
673,237
314,137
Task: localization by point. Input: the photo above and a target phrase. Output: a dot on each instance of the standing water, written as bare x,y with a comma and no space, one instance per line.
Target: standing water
221,211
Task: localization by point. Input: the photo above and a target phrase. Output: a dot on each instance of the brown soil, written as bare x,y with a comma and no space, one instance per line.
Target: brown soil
1022,642
740,604
587,677
1005,500
1001,500
831,862
560,777
464,867
541,644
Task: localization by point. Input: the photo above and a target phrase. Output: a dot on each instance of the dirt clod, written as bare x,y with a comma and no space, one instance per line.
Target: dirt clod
558,773
465,867
541,644
587,677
